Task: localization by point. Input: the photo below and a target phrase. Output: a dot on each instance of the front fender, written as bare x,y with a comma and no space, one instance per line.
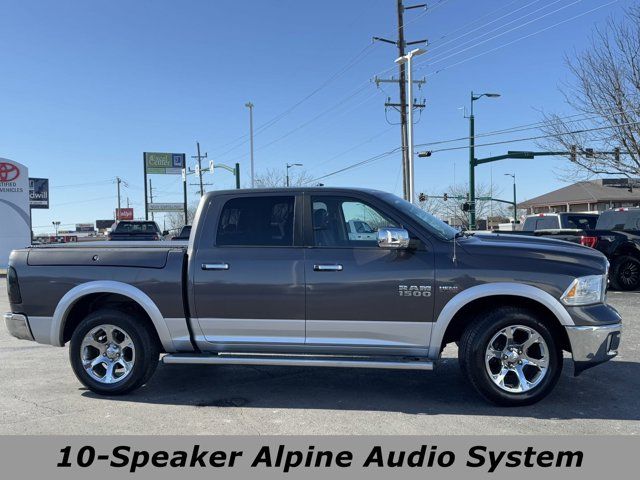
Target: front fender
488,290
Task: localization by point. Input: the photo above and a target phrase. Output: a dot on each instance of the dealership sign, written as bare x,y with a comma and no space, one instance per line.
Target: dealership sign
15,215
39,192
164,163
166,207
124,213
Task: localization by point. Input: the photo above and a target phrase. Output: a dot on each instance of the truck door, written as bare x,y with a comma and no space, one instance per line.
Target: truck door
361,296
248,272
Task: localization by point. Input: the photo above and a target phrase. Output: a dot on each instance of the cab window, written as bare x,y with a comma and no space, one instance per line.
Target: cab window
346,222
257,221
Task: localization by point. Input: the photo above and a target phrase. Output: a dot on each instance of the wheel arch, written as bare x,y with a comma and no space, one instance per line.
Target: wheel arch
457,313
90,290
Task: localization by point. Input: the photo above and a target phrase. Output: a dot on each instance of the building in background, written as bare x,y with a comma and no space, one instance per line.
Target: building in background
588,196
15,214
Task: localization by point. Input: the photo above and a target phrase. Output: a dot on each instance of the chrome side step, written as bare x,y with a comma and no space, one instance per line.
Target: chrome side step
399,363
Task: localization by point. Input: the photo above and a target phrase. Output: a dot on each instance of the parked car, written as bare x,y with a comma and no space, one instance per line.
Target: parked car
184,233
617,235
137,230
562,220
272,277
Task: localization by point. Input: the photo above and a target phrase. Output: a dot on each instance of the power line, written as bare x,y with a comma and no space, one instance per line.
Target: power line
440,58
515,140
531,126
438,45
351,63
537,137
357,164
519,39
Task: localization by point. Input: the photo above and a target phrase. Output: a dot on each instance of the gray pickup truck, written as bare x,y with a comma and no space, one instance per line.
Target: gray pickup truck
274,277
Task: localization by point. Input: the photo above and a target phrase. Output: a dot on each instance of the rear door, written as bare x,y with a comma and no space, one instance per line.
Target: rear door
248,272
361,297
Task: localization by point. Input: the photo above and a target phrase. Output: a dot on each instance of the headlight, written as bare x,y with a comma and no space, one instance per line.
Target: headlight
585,290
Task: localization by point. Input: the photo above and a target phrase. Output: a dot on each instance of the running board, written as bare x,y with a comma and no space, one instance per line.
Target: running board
398,363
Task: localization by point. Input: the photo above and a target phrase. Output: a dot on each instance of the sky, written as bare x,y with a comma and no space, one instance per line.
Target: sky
86,87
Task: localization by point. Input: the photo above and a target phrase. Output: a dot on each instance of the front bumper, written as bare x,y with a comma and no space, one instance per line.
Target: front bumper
18,325
594,344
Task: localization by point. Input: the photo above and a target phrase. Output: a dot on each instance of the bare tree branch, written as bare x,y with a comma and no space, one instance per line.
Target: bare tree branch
606,87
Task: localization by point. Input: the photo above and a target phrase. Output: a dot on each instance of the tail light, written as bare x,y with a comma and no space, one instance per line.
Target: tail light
588,241
13,289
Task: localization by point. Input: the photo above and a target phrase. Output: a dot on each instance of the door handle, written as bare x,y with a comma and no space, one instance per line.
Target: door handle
327,268
215,266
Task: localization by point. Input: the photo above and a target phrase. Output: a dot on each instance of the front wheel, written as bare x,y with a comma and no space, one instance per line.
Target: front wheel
510,357
113,353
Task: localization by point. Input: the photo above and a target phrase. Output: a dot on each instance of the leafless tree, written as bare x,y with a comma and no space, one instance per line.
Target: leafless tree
274,177
451,210
174,221
605,92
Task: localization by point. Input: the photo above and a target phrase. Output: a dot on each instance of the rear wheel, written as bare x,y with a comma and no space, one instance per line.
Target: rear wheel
510,357
625,273
113,353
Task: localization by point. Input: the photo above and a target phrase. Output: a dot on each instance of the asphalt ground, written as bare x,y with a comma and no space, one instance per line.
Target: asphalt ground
39,394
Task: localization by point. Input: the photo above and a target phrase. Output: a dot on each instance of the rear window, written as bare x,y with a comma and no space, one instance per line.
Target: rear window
137,227
583,222
532,224
619,220
257,221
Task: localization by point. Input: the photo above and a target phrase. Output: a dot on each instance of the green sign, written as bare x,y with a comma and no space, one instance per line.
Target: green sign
164,163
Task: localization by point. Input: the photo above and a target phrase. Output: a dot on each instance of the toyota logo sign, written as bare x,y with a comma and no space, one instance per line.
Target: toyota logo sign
8,172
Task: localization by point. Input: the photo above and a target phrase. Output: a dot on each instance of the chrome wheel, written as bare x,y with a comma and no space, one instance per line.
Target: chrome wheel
108,354
517,358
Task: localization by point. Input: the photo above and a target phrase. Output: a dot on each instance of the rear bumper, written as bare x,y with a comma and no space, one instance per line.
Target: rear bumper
18,325
593,345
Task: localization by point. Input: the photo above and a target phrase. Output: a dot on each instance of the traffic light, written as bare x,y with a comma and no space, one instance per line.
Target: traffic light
422,197
616,154
574,150
589,153
445,197
466,206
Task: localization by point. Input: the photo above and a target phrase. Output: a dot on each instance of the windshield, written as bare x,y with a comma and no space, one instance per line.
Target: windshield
428,221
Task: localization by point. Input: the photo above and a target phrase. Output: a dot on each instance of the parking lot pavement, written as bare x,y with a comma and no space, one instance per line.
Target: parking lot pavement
40,395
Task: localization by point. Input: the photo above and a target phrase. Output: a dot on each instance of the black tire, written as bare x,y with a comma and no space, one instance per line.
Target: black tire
473,350
625,273
145,344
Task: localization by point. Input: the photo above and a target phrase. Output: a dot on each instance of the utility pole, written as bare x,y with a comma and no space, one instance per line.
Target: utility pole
249,105
402,82
199,158
118,182
151,197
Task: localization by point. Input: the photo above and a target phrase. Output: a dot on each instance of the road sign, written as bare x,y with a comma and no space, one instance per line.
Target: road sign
164,163
124,213
166,207
39,192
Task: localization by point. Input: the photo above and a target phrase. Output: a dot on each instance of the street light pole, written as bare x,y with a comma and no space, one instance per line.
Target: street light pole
472,158
289,165
410,170
515,204
249,105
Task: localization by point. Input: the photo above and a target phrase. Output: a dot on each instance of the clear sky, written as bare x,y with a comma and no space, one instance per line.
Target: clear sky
87,86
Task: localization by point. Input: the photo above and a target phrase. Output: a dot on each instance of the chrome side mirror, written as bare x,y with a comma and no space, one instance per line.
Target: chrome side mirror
395,238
